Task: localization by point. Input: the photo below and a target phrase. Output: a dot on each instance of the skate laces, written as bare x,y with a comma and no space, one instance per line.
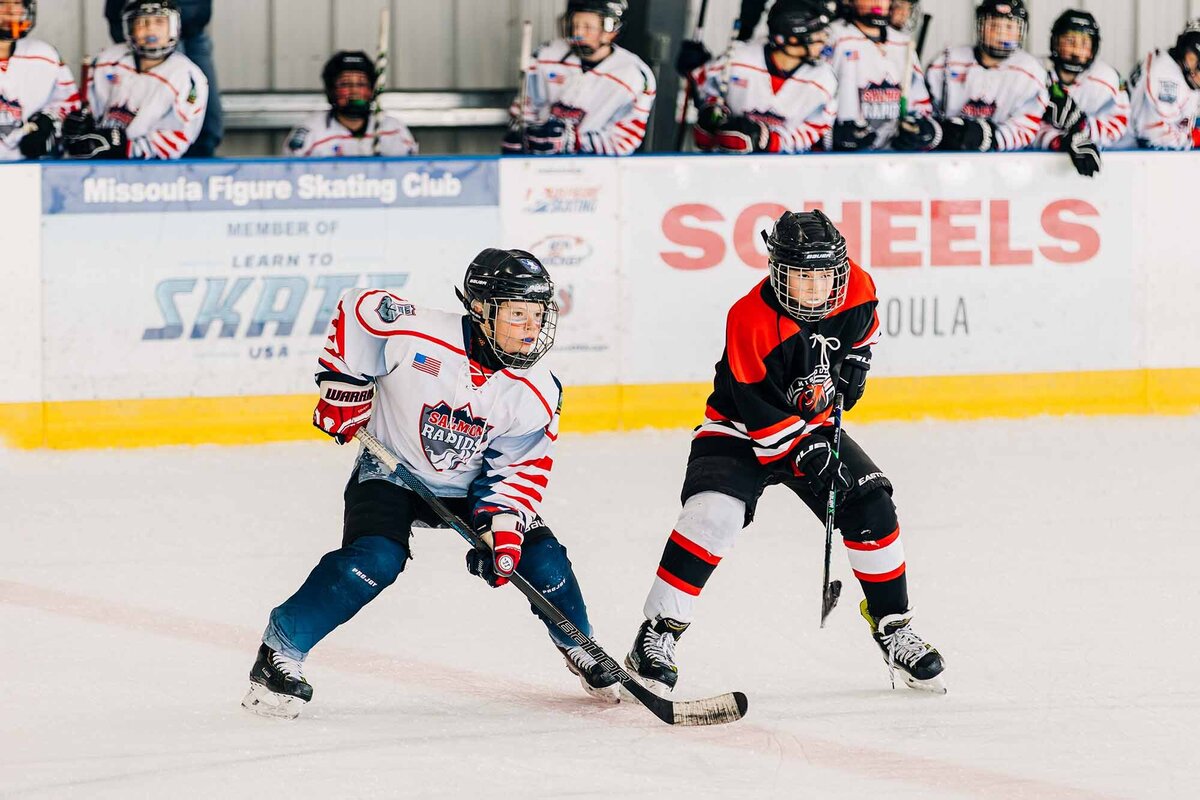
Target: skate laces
290,667
904,647
659,647
581,658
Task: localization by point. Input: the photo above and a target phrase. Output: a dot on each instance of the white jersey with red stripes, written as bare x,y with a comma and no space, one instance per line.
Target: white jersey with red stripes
32,80
1163,107
798,108
869,79
323,135
1099,94
1012,95
160,109
463,430
608,103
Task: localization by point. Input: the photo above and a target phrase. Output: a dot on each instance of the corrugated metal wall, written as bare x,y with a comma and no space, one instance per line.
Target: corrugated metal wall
437,44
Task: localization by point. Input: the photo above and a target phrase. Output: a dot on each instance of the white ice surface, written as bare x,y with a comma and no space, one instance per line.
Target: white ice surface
1053,562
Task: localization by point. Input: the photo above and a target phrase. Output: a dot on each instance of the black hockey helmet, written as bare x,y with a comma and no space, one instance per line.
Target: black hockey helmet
1001,9
20,28
135,9
1071,21
340,63
807,242
497,275
876,17
797,22
1188,42
612,14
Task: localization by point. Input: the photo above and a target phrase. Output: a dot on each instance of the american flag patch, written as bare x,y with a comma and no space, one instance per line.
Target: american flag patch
426,364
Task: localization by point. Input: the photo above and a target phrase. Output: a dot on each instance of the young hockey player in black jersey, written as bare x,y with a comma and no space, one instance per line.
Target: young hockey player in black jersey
800,338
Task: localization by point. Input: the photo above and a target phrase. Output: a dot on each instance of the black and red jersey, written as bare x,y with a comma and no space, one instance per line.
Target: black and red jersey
775,381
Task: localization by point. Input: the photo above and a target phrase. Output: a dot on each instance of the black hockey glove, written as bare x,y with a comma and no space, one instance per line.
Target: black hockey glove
101,143
849,135
1084,153
692,56
41,140
968,133
481,564
743,135
78,123
814,464
1063,113
552,137
852,377
917,135
712,117
512,144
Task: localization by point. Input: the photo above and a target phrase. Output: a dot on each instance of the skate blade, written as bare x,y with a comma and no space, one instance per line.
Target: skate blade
654,687
609,694
934,685
262,701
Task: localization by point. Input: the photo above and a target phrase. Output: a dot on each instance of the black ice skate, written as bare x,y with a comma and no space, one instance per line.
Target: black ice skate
277,686
653,653
919,663
595,680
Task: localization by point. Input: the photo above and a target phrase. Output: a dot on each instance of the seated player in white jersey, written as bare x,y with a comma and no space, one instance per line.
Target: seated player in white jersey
146,101
992,95
349,127
797,343
36,87
1089,109
469,407
583,92
870,58
1164,94
776,96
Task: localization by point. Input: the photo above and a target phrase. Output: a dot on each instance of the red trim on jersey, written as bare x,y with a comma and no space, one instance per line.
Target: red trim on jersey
771,430
1105,84
545,462
539,480
533,389
34,58
885,577
377,134
824,91
520,500
127,68
695,549
534,493
677,583
626,86
876,545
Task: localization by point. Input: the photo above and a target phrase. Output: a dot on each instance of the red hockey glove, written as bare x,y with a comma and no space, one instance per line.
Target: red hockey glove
497,566
345,405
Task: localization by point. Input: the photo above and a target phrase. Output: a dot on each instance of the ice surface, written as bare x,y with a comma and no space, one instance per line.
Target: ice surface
1052,561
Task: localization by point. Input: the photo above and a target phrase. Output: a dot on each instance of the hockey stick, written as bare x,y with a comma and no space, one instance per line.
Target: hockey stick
832,590
728,707
697,36
923,34
523,94
381,69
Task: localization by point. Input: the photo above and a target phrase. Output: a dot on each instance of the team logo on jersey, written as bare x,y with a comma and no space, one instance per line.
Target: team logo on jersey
10,115
193,92
880,101
738,80
390,311
979,109
1168,92
556,77
568,113
813,392
113,78
451,437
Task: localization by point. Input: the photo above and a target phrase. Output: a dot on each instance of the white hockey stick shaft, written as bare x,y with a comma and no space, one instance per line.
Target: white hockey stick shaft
381,71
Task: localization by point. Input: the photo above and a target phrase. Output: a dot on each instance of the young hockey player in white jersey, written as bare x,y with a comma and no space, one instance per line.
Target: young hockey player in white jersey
36,88
584,93
776,96
991,96
1164,95
467,405
1088,110
870,58
349,128
148,101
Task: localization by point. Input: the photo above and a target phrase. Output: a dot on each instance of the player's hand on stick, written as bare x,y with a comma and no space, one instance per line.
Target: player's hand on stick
850,135
1063,113
513,143
344,406
816,465
39,140
968,133
743,135
1085,155
505,534
78,123
552,137
99,143
692,56
852,378
917,135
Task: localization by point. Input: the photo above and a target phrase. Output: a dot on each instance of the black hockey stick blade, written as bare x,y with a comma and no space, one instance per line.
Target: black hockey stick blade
728,707
830,600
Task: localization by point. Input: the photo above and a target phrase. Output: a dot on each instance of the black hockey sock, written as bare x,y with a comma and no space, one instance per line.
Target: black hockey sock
886,597
686,565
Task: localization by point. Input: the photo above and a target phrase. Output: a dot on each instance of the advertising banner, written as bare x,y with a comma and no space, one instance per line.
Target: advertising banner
565,211
20,284
220,279
978,269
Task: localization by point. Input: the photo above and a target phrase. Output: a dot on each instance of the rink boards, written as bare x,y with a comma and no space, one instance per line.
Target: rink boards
165,303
